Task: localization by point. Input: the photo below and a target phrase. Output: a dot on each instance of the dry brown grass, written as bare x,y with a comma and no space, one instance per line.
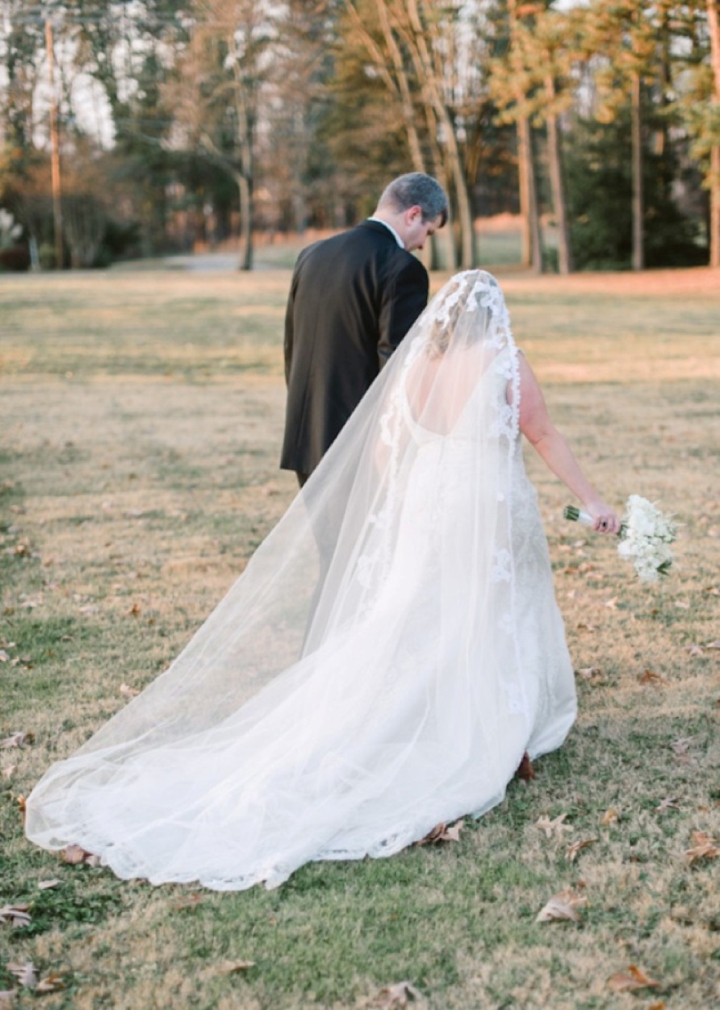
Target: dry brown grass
141,418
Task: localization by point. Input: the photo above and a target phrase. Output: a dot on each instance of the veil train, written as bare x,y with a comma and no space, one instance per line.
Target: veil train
390,652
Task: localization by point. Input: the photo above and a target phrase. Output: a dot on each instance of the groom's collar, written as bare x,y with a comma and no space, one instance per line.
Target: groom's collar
377,220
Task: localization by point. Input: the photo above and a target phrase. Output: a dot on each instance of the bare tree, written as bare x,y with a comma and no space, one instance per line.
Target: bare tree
216,96
415,49
511,85
621,36
381,38
551,52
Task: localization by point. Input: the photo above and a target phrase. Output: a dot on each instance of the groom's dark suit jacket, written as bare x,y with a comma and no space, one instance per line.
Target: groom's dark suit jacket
353,298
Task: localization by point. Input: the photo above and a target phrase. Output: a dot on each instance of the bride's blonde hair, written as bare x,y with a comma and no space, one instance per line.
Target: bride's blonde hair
443,323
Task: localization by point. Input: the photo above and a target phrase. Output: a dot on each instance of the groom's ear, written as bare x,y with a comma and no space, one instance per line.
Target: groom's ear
412,214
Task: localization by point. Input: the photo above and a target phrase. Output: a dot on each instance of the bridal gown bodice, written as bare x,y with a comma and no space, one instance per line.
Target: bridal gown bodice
445,662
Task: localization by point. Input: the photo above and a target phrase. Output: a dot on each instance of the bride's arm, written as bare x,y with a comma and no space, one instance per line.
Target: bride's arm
536,426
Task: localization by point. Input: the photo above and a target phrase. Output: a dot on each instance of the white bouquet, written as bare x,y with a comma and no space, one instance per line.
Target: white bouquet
645,536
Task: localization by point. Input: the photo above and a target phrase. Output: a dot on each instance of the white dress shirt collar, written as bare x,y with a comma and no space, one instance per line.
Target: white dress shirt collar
390,229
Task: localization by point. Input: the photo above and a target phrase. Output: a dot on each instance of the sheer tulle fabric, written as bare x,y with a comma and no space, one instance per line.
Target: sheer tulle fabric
388,655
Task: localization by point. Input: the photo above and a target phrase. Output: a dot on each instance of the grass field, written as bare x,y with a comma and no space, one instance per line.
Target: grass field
141,415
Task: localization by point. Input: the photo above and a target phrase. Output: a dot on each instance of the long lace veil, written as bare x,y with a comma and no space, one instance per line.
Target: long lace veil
403,534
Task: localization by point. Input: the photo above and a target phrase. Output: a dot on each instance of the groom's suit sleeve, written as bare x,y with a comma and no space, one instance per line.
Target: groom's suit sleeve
288,340
405,297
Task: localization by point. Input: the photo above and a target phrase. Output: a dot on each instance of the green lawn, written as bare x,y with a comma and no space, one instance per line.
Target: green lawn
141,414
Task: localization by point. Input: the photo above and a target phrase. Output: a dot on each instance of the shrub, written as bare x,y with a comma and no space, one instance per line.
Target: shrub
16,259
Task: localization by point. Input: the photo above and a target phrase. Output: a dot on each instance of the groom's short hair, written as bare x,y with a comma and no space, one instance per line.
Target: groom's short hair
415,189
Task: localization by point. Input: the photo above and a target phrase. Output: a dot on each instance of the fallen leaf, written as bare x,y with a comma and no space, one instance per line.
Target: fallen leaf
695,650
7,773
713,645
15,915
4,657
630,979
577,847
660,1005
669,803
189,901
230,967
557,825
134,611
589,671
397,996
127,691
649,677
75,855
562,906
443,833
7,999
682,744
45,885
453,832
525,771
612,604
610,816
703,847
24,973
51,983
682,604
16,740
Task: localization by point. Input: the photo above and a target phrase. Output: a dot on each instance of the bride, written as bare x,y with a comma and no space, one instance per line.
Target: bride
385,661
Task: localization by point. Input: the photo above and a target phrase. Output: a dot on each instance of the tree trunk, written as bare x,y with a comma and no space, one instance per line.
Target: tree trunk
398,84
565,258
429,78
430,255
638,237
55,151
445,239
245,105
246,225
713,7
403,87
462,196
526,254
531,237
532,240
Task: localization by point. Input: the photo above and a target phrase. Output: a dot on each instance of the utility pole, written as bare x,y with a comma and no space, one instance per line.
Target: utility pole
55,149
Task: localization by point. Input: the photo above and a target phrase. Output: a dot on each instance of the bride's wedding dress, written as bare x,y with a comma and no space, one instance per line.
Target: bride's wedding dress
390,653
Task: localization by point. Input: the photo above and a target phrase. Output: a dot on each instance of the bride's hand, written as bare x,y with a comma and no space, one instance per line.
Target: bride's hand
605,519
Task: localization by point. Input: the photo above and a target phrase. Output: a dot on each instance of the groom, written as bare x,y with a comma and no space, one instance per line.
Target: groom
353,298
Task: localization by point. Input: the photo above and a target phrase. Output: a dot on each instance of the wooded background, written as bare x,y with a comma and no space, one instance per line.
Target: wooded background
141,127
